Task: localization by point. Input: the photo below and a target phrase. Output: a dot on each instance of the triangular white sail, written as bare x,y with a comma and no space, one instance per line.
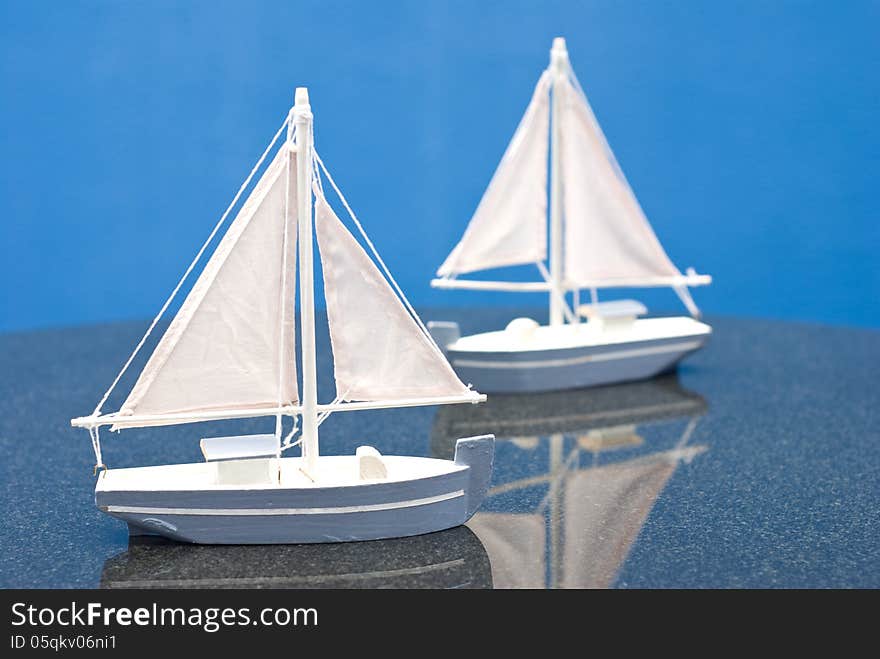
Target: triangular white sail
607,236
225,346
379,350
510,224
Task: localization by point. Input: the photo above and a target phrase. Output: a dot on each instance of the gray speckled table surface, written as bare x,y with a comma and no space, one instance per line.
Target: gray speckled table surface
756,465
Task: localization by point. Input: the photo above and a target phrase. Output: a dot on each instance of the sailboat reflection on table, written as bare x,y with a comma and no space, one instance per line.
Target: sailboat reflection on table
576,476
454,558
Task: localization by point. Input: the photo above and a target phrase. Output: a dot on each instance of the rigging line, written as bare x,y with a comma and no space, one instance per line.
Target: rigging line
316,178
339,398
190,268
601,134
685,296
316,173
321,418
507,157
555,290
96,446
286,444
373,249
687,299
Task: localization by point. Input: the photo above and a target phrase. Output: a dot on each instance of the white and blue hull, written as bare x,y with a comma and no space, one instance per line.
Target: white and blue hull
570,368
445,495
495,365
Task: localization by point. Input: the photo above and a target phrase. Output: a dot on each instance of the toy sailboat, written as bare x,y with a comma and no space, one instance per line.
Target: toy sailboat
599,238
229,353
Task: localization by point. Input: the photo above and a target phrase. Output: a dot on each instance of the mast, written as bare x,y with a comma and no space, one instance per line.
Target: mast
302,116
279,417
558,64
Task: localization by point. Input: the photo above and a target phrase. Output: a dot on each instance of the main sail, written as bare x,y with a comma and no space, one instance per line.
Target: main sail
608,239
509,226
379,350
234,332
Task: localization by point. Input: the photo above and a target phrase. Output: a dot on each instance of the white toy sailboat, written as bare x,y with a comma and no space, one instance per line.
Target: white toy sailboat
599,238
229,353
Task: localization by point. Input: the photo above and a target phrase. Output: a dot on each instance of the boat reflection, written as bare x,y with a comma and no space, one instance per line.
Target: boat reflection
448,559
576,475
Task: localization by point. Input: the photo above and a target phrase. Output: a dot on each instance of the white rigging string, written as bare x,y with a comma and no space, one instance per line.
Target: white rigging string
286,444
558,294
316,180
186,274
339,398
612,159
682,291
96,447
94,433
321,418
572,77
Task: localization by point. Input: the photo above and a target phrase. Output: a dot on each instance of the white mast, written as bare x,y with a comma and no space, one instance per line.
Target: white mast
288,211
302,116
558,65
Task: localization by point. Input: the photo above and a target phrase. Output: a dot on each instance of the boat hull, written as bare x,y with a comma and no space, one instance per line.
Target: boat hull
292,515
526,371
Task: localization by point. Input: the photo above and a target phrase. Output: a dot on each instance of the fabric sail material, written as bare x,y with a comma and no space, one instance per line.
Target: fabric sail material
509,226
379,351
607,236
222,350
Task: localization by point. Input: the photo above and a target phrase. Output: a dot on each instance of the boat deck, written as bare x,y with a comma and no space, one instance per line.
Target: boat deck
332,471
581,335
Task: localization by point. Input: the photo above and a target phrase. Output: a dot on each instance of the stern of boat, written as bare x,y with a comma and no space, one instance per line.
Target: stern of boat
478,454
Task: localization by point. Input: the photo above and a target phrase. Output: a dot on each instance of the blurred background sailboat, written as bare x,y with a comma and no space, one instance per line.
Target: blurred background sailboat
599,237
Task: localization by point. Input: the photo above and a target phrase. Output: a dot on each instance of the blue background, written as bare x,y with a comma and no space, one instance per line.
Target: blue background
749,131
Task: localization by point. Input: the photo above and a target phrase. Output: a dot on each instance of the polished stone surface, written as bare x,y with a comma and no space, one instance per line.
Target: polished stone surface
757,465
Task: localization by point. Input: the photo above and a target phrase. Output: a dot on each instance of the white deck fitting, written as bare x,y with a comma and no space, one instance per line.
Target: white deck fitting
613,309
238,447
